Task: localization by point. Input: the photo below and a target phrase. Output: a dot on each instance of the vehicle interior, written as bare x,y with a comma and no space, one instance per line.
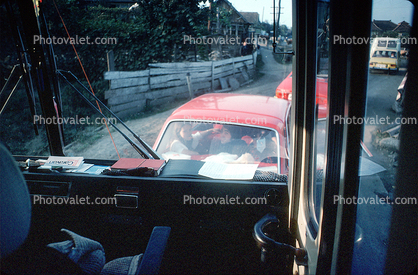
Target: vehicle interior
296,229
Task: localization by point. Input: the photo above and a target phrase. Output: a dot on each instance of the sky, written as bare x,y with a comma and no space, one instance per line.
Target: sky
394,10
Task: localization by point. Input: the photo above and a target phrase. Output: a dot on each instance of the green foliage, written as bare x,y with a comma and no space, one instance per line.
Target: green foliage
284,30
225,16
144,35
267,27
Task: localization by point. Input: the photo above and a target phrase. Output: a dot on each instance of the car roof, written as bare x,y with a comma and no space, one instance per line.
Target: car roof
254,110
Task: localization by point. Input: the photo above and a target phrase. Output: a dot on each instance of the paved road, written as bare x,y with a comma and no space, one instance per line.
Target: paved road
272,74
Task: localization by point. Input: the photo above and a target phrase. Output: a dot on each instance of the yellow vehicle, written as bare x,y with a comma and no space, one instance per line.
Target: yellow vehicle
385,55
385,60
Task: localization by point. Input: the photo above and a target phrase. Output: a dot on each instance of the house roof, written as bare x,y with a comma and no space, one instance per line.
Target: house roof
383,25
251,17
238,16
403,27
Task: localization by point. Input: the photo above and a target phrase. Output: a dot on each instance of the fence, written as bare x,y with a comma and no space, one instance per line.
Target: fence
133,92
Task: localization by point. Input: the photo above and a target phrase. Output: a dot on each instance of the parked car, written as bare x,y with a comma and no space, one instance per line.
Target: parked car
229,128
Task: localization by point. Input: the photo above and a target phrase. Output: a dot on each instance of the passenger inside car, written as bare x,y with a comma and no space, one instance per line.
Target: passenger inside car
229,141
185,141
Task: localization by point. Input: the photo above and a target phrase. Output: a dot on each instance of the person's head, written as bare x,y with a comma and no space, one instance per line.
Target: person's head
184,131
228,133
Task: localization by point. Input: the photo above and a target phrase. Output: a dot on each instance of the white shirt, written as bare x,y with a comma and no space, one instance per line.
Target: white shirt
178,147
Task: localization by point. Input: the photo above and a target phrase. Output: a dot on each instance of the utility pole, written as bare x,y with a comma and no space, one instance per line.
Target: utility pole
275,31
210,14
278,17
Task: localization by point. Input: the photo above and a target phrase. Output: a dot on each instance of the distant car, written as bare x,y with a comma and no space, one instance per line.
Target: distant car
386,60
385,54
284,91
229,128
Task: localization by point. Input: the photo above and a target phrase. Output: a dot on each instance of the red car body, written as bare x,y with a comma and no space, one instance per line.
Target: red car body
258,112
284,90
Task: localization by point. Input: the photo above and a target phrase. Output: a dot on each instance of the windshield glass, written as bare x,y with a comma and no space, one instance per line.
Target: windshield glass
380,53
226,143
138,63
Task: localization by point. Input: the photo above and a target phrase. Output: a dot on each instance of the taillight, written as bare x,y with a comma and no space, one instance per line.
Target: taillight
283,93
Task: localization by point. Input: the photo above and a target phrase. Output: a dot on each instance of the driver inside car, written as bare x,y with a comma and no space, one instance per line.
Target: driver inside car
229,142
263,146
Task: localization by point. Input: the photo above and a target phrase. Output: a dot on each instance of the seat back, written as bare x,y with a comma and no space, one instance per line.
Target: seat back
15,204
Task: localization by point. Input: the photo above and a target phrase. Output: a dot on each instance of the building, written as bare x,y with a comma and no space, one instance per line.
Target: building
380,27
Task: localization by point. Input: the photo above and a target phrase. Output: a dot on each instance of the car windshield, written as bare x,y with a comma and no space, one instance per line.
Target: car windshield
225,143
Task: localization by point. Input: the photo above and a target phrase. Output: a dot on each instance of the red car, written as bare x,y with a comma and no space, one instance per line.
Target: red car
230,128
284,90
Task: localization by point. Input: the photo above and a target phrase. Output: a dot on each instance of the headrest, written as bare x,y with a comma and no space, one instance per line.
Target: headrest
15,204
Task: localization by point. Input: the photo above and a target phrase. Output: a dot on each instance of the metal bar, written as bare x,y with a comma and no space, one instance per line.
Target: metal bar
143,143
290,52
23,62
135,146
43,81
12,73
10,95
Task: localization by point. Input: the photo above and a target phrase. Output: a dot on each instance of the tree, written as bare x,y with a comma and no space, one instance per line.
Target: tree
146,34
267,27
